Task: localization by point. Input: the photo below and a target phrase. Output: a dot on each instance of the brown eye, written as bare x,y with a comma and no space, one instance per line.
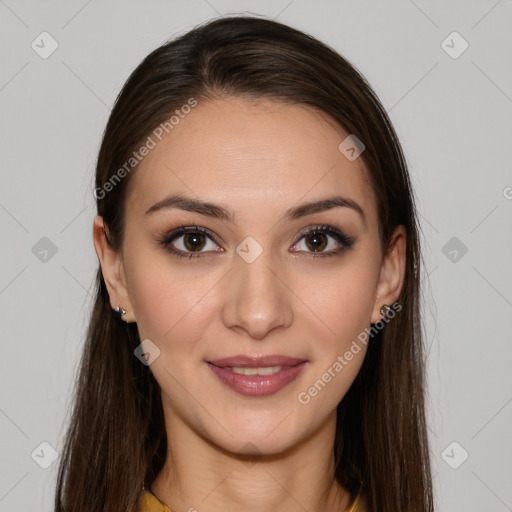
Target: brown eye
323,241
189,241
194,241
316,241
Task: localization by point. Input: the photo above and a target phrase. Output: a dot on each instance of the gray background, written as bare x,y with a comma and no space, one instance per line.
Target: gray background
453,118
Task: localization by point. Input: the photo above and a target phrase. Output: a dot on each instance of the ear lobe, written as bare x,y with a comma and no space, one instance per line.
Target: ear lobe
392,273
112,269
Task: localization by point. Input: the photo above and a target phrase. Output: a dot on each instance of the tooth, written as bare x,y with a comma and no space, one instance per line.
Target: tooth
250,371
267,370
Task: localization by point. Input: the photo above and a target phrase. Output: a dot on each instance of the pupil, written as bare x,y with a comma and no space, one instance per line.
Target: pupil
193,241
317,243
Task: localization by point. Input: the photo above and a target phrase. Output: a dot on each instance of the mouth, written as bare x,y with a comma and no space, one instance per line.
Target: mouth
257,376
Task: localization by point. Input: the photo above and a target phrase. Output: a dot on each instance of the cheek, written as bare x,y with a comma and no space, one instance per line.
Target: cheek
340,303
170,302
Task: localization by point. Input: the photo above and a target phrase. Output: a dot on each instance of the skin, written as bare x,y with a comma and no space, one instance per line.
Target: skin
257,159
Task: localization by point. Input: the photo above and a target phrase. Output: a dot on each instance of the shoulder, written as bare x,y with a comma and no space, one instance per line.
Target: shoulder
359,504
148,502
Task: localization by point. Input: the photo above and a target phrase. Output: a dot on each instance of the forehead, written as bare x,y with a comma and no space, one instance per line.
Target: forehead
250,154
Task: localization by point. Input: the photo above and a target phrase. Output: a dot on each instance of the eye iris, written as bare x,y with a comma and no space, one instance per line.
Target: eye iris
317,243
194,241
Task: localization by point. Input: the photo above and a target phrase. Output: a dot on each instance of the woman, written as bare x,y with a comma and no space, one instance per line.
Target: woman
256,338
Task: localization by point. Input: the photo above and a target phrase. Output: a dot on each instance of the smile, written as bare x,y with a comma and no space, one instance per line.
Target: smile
257,377
268,370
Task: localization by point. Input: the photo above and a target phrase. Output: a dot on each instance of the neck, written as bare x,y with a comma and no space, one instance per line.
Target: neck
201,476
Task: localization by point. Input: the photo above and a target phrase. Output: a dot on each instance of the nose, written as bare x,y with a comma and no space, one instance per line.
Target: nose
257,299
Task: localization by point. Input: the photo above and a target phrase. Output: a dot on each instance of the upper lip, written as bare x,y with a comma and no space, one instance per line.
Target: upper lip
242,361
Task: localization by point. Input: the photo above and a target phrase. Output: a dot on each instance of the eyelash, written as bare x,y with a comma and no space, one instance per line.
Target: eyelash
166,239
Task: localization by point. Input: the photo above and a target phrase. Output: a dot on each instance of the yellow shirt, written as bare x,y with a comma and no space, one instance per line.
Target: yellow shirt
148,502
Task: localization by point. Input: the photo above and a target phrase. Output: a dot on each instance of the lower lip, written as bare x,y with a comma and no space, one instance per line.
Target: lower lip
258,385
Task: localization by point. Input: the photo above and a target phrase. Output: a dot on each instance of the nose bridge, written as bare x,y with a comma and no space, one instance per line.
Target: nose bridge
256,300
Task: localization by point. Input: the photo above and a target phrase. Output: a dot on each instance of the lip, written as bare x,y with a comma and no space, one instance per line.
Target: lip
242,361
257,385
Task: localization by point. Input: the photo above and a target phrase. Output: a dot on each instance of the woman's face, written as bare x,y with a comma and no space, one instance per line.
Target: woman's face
255,286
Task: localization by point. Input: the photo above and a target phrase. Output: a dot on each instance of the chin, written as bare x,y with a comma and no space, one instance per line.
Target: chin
250,436
252,447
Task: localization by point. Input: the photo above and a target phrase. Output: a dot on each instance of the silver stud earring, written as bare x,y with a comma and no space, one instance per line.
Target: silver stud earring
384,310
120,312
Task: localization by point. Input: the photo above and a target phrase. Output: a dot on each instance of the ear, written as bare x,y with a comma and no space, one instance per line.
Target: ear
392,274
111,262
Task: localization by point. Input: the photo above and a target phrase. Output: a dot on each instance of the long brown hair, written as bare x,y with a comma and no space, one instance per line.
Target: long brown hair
116,439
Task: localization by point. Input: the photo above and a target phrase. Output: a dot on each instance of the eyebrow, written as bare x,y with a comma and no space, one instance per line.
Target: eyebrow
218,211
